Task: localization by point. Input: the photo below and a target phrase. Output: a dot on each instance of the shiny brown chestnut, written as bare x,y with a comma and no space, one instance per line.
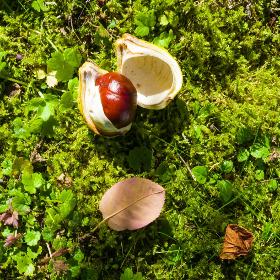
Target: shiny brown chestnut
107,101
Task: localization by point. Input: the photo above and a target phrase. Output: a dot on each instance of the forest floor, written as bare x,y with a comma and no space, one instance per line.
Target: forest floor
215,148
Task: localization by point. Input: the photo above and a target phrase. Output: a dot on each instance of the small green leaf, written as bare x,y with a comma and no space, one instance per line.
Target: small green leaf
32,182
4,207
144,20
48,234
64,63
163,20
272,185
129,275
164,39
112,24
39,5
20,164
7,167
32,237
79,256
20,130
21,202
200,173
227,166
258,151
259,175
142,30
24,264
225,188
243,155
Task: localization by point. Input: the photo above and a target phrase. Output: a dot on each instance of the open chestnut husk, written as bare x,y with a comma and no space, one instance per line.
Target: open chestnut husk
147,76
107,101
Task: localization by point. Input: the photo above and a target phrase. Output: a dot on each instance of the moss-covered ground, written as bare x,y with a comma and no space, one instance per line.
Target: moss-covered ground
215,148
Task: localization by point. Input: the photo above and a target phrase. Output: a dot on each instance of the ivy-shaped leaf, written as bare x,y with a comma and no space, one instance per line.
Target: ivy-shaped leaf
32,181
64,63
145,20
200,173
32,237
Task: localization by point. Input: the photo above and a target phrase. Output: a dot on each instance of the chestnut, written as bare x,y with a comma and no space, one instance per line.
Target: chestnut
107,101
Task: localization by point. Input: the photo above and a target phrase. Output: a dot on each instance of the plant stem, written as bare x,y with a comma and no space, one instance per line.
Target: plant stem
14,80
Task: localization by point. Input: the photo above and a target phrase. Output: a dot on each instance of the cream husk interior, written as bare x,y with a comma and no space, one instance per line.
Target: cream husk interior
152,70
90,100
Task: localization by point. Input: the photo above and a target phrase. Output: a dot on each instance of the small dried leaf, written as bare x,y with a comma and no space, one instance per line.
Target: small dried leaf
10,218
65,179
58,253
11,239
60,266
238,242
132,203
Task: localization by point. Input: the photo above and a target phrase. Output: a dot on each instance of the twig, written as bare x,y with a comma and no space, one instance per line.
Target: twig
188,167
56,254
49,249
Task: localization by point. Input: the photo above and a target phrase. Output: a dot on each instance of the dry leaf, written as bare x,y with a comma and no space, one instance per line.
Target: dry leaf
60,266
10,218
35,156
15,90
238,242
58,253
132,203
11,239
65,179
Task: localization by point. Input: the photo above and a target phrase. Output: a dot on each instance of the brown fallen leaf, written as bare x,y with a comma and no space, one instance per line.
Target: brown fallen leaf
12,239
238,242
60,266
58,253
65,179
132,204
10,217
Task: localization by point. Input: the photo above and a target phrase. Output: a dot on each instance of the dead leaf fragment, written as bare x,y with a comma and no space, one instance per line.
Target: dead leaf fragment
58,253
60,266
11,239
132,204
238,242
64,179
10,218
35,155
15,90
275,155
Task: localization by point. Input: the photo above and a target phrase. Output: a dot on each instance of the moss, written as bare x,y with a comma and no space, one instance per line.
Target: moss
228,51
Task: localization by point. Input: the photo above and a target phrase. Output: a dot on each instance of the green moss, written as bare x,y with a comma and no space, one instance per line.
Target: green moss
227,111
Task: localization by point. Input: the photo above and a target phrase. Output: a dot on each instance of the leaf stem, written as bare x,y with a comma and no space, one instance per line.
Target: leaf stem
26,84
14,80
188,166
